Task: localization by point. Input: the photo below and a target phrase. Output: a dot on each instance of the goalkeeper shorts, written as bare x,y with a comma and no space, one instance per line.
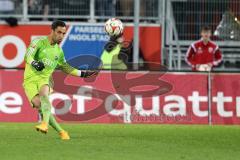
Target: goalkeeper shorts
32,88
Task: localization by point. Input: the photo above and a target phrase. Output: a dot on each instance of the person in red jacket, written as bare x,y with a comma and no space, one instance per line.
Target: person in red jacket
204,54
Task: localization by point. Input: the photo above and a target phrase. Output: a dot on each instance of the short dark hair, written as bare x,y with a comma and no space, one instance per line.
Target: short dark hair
206,28
58,23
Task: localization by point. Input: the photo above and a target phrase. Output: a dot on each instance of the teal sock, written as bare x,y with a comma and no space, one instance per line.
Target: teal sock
52,122
45,108
55,124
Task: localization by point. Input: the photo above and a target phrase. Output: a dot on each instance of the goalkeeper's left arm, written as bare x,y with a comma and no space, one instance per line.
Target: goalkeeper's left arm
65,67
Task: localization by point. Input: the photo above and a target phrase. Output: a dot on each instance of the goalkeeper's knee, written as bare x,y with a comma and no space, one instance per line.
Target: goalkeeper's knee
45,103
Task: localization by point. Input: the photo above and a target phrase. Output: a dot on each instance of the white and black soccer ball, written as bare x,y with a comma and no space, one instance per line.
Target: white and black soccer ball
114,27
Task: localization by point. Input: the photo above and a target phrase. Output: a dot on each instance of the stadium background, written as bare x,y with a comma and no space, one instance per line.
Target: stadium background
161,31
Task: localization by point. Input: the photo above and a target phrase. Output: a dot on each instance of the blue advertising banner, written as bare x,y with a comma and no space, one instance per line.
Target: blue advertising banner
84,42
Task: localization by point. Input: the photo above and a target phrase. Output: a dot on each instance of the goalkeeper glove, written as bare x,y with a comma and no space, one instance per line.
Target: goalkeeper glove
110,46
38,65
86,74
113,42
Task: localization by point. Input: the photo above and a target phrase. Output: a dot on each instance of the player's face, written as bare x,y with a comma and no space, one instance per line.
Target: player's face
206,35
58,34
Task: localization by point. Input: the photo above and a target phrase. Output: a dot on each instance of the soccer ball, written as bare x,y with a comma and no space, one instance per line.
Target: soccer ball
114,27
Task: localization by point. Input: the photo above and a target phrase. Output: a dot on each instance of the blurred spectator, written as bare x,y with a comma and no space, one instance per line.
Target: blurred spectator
74,7
18,6
50,8
126,7
191,15
80,9
148,8
204,54
6,7
58,7
46,8
151,9
143,6
35,7
105,7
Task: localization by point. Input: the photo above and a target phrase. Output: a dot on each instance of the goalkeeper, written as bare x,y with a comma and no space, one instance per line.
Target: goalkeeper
42,57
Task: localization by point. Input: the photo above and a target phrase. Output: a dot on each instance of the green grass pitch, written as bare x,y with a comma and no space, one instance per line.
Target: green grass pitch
19,141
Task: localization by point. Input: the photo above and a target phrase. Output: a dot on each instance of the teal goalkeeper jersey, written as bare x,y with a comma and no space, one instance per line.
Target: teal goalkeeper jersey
52,56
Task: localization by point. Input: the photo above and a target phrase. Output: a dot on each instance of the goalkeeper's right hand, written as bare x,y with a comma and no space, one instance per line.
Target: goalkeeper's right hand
87,74
113,42
38,65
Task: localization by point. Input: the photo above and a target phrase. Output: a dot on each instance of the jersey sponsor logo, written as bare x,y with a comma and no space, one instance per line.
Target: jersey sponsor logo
210,49
56,58
199,50
48,62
